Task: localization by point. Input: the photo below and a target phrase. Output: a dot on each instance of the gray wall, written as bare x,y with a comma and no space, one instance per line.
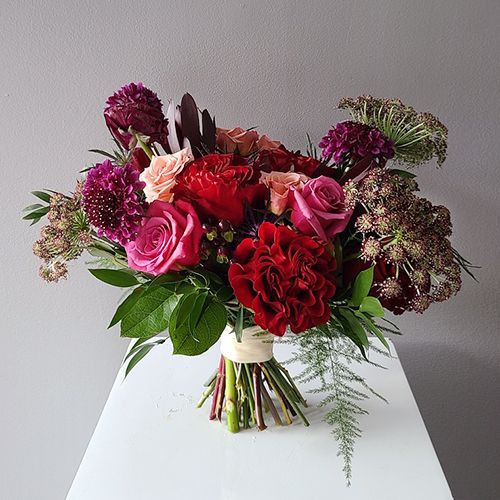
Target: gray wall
281,65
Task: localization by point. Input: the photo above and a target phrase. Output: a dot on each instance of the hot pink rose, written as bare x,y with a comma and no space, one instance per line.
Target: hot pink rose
319,209
159,177
168,239
279,184
237,140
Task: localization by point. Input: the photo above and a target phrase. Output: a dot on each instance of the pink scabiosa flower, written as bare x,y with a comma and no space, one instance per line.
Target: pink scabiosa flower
352,141
135,109
111,203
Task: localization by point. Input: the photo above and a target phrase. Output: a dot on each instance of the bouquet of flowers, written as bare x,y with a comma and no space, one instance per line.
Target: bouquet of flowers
223,233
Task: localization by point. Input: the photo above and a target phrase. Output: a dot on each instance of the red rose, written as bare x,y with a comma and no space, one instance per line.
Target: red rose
285,278
218,185
282,160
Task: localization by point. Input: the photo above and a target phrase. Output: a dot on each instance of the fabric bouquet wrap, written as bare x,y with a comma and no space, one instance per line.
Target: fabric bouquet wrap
225,236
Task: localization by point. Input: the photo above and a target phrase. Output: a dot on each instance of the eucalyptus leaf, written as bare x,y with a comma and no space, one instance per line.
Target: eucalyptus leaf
115,277
362,286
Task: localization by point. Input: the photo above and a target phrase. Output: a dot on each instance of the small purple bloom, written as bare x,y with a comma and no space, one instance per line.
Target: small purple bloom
111,203
135,108
354,141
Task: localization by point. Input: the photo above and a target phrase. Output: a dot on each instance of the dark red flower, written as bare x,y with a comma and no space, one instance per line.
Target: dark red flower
394,289
139,159
282,160
285,278
135,108
219,185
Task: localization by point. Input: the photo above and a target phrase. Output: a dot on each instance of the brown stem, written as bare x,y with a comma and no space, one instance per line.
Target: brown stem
216,390
279,395
270,404
222,390
258,401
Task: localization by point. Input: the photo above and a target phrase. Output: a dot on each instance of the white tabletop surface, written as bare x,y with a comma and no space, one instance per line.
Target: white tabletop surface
151,443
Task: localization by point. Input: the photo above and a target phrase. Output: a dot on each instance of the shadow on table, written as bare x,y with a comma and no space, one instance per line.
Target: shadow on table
461,411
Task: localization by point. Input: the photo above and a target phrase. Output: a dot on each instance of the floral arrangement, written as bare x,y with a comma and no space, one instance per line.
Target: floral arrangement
223,233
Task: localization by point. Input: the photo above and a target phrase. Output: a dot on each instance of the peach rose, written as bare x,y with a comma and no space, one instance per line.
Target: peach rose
266,144
238,140
279,184
160,176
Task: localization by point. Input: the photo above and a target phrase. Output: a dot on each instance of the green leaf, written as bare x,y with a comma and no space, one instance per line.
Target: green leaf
102,152
355,326
181,312
141,353
115,277
30,208
41,195
196,311
224,293
37,214
402,173
362,286
373,328
238,327
372,305
150,314
208,330
125,307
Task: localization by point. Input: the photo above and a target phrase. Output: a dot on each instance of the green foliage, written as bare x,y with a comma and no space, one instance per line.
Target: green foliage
328,356
150,314
138,351
193,334
116,277
37,211
362,286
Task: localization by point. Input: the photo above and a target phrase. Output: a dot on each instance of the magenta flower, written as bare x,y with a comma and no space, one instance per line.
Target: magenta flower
168,239
111,203
354,141
135,108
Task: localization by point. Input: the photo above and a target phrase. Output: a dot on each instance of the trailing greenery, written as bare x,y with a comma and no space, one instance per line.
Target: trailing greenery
327,356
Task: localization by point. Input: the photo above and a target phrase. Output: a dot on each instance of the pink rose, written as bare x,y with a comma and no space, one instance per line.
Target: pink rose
279,184
319,209
237,140
266,144
168,239
160,176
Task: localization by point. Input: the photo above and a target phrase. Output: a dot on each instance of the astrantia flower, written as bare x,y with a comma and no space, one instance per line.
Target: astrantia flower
286,278
354,141
111,203
135,109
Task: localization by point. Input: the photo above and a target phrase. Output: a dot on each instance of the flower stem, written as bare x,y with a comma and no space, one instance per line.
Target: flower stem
231,398
145,147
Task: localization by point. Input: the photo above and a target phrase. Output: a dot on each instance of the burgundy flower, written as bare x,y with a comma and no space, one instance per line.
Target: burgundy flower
135,108
219,185
355,141
139,159
394,289
111,203
285,278
282,160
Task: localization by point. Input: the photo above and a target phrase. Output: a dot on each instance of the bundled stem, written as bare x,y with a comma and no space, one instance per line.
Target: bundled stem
247,391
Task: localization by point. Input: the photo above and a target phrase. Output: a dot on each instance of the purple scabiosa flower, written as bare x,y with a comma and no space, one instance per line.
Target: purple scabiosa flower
354,141
111,203
135,108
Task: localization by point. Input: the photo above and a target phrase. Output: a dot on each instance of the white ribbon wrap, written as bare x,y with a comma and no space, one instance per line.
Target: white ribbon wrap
256,345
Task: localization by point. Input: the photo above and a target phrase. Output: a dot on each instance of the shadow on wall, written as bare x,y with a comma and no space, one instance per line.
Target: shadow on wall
461,411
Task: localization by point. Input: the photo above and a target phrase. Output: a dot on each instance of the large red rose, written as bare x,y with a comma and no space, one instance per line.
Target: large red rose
285,278
282,160
219,185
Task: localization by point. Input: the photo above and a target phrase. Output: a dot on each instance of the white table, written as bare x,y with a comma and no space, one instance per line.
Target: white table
151,443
